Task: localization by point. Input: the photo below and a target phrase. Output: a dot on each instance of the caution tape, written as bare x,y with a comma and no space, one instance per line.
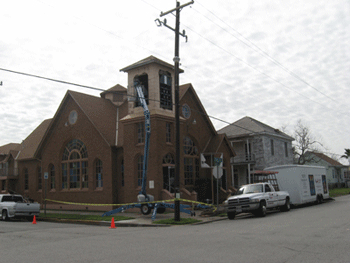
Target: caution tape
153,202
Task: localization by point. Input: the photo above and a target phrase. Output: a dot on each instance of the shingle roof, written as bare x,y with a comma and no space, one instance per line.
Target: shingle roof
326,158
116,88
147,61
101,112
30,145
248,126
5,149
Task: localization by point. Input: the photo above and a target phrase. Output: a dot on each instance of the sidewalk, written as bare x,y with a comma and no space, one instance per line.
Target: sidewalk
139,219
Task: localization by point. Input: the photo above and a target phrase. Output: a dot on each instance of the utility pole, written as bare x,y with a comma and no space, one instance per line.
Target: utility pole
177,116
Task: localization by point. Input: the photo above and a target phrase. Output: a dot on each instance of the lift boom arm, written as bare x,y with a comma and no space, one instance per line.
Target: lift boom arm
141,98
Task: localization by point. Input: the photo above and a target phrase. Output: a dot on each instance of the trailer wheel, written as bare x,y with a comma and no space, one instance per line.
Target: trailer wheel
286,206
160,210
231,215
319,199
262,209
145,209
4,215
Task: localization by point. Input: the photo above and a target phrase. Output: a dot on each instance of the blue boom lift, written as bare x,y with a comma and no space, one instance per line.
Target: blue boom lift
146,201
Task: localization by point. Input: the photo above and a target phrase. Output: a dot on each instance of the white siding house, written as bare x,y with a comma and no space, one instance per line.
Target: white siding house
257,146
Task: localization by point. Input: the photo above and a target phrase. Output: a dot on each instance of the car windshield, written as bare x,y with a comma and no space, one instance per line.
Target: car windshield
248,189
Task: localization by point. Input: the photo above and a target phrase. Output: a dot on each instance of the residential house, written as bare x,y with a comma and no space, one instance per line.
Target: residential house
257,146
8,166
337,173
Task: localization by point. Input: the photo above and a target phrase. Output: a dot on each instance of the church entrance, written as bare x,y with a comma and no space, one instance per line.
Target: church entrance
169,178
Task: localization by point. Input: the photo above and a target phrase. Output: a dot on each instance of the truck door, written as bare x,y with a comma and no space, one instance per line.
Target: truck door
272,196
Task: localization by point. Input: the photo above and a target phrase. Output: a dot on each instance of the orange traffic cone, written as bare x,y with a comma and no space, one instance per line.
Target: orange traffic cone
112,223
34,220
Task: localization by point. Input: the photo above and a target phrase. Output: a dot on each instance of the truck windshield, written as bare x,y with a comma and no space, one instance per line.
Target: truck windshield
248,189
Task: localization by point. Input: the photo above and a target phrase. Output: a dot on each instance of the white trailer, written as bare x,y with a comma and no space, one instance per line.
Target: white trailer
305,184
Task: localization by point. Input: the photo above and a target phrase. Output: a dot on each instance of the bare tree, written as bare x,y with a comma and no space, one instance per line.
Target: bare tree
304,142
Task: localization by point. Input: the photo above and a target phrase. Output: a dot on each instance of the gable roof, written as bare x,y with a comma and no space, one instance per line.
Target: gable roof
183,90
30,145
325,158
147,61
248,126
5,149
216,140
101,113
115,89
215,143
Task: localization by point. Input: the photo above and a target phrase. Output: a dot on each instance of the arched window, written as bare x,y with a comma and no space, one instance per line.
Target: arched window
52,177
26,179
165,90
143,80
75,164
168,159
169,172
139,170
191,161
98,173
122,172
40,181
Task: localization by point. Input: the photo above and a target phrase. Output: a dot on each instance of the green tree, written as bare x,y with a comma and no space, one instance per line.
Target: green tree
346,155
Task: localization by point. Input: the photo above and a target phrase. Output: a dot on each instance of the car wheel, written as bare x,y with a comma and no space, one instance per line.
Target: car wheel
145,209
286,206
231,215
4,215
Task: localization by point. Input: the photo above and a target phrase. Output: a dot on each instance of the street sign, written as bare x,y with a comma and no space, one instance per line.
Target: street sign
46,175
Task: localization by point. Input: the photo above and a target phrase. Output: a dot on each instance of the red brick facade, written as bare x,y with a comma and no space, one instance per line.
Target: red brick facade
93,146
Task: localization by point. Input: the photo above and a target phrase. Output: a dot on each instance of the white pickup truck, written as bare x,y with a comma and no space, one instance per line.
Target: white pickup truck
12,206
256,199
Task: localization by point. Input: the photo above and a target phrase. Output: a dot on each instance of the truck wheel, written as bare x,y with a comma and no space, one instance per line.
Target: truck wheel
286,206
4,215
30,218
145,209
231,215
262,209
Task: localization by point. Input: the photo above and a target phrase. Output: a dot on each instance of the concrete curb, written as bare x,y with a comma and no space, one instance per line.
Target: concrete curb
123,224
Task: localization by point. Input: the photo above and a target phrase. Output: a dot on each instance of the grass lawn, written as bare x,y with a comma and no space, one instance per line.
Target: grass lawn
338,192
83,217
171,221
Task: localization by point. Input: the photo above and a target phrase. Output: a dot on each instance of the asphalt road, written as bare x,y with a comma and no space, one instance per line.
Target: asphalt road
319,233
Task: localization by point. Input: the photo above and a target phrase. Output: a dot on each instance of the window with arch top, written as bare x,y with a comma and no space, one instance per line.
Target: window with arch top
74,165
191,161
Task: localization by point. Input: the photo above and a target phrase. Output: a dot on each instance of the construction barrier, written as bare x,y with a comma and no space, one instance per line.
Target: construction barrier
129,204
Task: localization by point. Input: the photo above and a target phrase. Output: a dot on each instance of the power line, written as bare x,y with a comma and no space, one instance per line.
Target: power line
50,79
116,92
256,69
259,50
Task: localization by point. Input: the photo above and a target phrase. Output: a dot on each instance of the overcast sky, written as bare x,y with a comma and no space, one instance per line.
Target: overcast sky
275,61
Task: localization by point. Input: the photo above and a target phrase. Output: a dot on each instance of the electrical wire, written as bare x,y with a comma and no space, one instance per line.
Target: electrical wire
203,113
258,49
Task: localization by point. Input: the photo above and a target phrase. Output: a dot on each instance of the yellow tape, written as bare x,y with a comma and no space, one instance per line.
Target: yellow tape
153,202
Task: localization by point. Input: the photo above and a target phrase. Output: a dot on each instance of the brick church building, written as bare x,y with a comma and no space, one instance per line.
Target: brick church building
91,151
